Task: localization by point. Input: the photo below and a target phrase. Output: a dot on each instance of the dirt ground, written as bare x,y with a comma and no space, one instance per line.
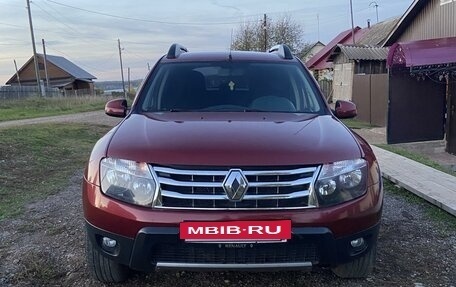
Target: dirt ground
45,247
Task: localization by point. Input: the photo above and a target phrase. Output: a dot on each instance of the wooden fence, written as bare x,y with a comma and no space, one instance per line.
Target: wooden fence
16,92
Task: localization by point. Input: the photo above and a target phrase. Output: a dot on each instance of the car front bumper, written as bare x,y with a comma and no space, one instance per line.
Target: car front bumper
161,248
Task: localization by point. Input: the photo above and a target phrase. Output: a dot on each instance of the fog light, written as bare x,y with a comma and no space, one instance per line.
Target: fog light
357,242
108,242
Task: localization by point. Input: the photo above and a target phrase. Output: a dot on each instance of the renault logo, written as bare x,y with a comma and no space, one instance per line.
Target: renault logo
235,185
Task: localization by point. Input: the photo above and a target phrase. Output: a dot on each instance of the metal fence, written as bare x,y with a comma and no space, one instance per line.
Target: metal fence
16,92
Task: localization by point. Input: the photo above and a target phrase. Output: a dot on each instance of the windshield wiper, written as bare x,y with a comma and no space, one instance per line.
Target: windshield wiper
178,110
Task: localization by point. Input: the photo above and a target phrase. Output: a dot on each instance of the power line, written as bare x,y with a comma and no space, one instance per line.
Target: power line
73,30
12,25
178,23
144,20
78,63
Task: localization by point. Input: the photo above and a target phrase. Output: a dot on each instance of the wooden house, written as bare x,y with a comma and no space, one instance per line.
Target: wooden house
61,73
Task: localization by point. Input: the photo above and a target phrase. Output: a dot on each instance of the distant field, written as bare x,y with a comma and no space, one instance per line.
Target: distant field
35,107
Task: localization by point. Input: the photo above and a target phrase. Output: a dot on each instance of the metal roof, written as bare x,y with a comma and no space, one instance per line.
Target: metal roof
361,53
424,52
318,61
376,34
68,67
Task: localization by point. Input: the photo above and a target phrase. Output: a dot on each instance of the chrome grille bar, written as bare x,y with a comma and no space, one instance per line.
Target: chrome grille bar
276,188
224,197
168,181
224,172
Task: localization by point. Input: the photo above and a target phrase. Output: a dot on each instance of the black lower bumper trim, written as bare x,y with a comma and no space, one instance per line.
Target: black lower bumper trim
161,248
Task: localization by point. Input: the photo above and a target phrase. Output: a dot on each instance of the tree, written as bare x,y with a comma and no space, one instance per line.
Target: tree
251,35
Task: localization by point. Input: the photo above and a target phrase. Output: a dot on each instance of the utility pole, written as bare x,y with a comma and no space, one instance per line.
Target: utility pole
376,8
45,64
148,66
17,73
121,69
265,27
35,57
353,24
129,82
318,27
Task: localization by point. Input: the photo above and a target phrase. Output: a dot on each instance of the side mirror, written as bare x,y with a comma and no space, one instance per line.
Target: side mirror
116,108
345,110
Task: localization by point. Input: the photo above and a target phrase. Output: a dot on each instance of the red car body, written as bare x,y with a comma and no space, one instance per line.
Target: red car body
234,140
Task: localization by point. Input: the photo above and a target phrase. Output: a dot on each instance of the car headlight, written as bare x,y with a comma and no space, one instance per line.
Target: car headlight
127,180
341,181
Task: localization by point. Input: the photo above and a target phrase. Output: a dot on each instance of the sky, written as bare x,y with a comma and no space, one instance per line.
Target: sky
86,31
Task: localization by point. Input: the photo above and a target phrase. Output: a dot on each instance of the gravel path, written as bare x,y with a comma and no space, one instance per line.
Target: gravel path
96,117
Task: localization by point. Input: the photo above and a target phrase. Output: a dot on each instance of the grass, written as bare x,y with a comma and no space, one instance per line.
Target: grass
416,157
357,124
35,107
443,219
36,161
39,267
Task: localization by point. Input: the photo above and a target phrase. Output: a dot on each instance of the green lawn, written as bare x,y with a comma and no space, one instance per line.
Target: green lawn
39,160
35,107
357,124
416,157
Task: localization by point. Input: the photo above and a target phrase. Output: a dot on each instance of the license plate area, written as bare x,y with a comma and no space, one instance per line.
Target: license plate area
274,231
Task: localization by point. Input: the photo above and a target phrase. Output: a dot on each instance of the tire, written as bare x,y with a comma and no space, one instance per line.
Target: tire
102,268
358,268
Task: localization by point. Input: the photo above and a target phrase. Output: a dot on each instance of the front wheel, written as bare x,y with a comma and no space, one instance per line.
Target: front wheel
358,268
102,268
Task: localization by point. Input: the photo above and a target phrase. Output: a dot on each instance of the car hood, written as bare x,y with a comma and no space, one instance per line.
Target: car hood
233,139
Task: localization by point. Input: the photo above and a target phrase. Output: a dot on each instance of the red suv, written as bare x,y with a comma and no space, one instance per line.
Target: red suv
231,161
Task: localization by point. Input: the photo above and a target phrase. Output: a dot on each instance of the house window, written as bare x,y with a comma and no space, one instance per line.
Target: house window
41,66
443,2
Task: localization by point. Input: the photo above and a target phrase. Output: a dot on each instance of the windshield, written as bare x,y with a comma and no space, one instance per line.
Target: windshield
231,87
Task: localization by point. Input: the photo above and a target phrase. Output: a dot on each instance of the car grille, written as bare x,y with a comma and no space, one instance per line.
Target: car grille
278,188
251,254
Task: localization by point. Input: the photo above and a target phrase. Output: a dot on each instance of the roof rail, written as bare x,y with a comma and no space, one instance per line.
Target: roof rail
283,51
175,50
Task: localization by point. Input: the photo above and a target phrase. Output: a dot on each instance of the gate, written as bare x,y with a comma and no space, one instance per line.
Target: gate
370,94
451,122
416,110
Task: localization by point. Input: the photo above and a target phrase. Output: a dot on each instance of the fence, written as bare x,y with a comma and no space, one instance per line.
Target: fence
326,88
16,92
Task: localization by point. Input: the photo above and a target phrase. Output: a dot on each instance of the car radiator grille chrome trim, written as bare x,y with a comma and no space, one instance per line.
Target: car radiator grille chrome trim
276,188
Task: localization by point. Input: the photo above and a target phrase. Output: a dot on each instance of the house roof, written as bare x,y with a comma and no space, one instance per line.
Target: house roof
310,47
424,52
376,34
405,21
62,63
318,61
68,67
360,52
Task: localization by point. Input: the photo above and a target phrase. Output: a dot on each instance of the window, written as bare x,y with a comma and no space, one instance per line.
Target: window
231,87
